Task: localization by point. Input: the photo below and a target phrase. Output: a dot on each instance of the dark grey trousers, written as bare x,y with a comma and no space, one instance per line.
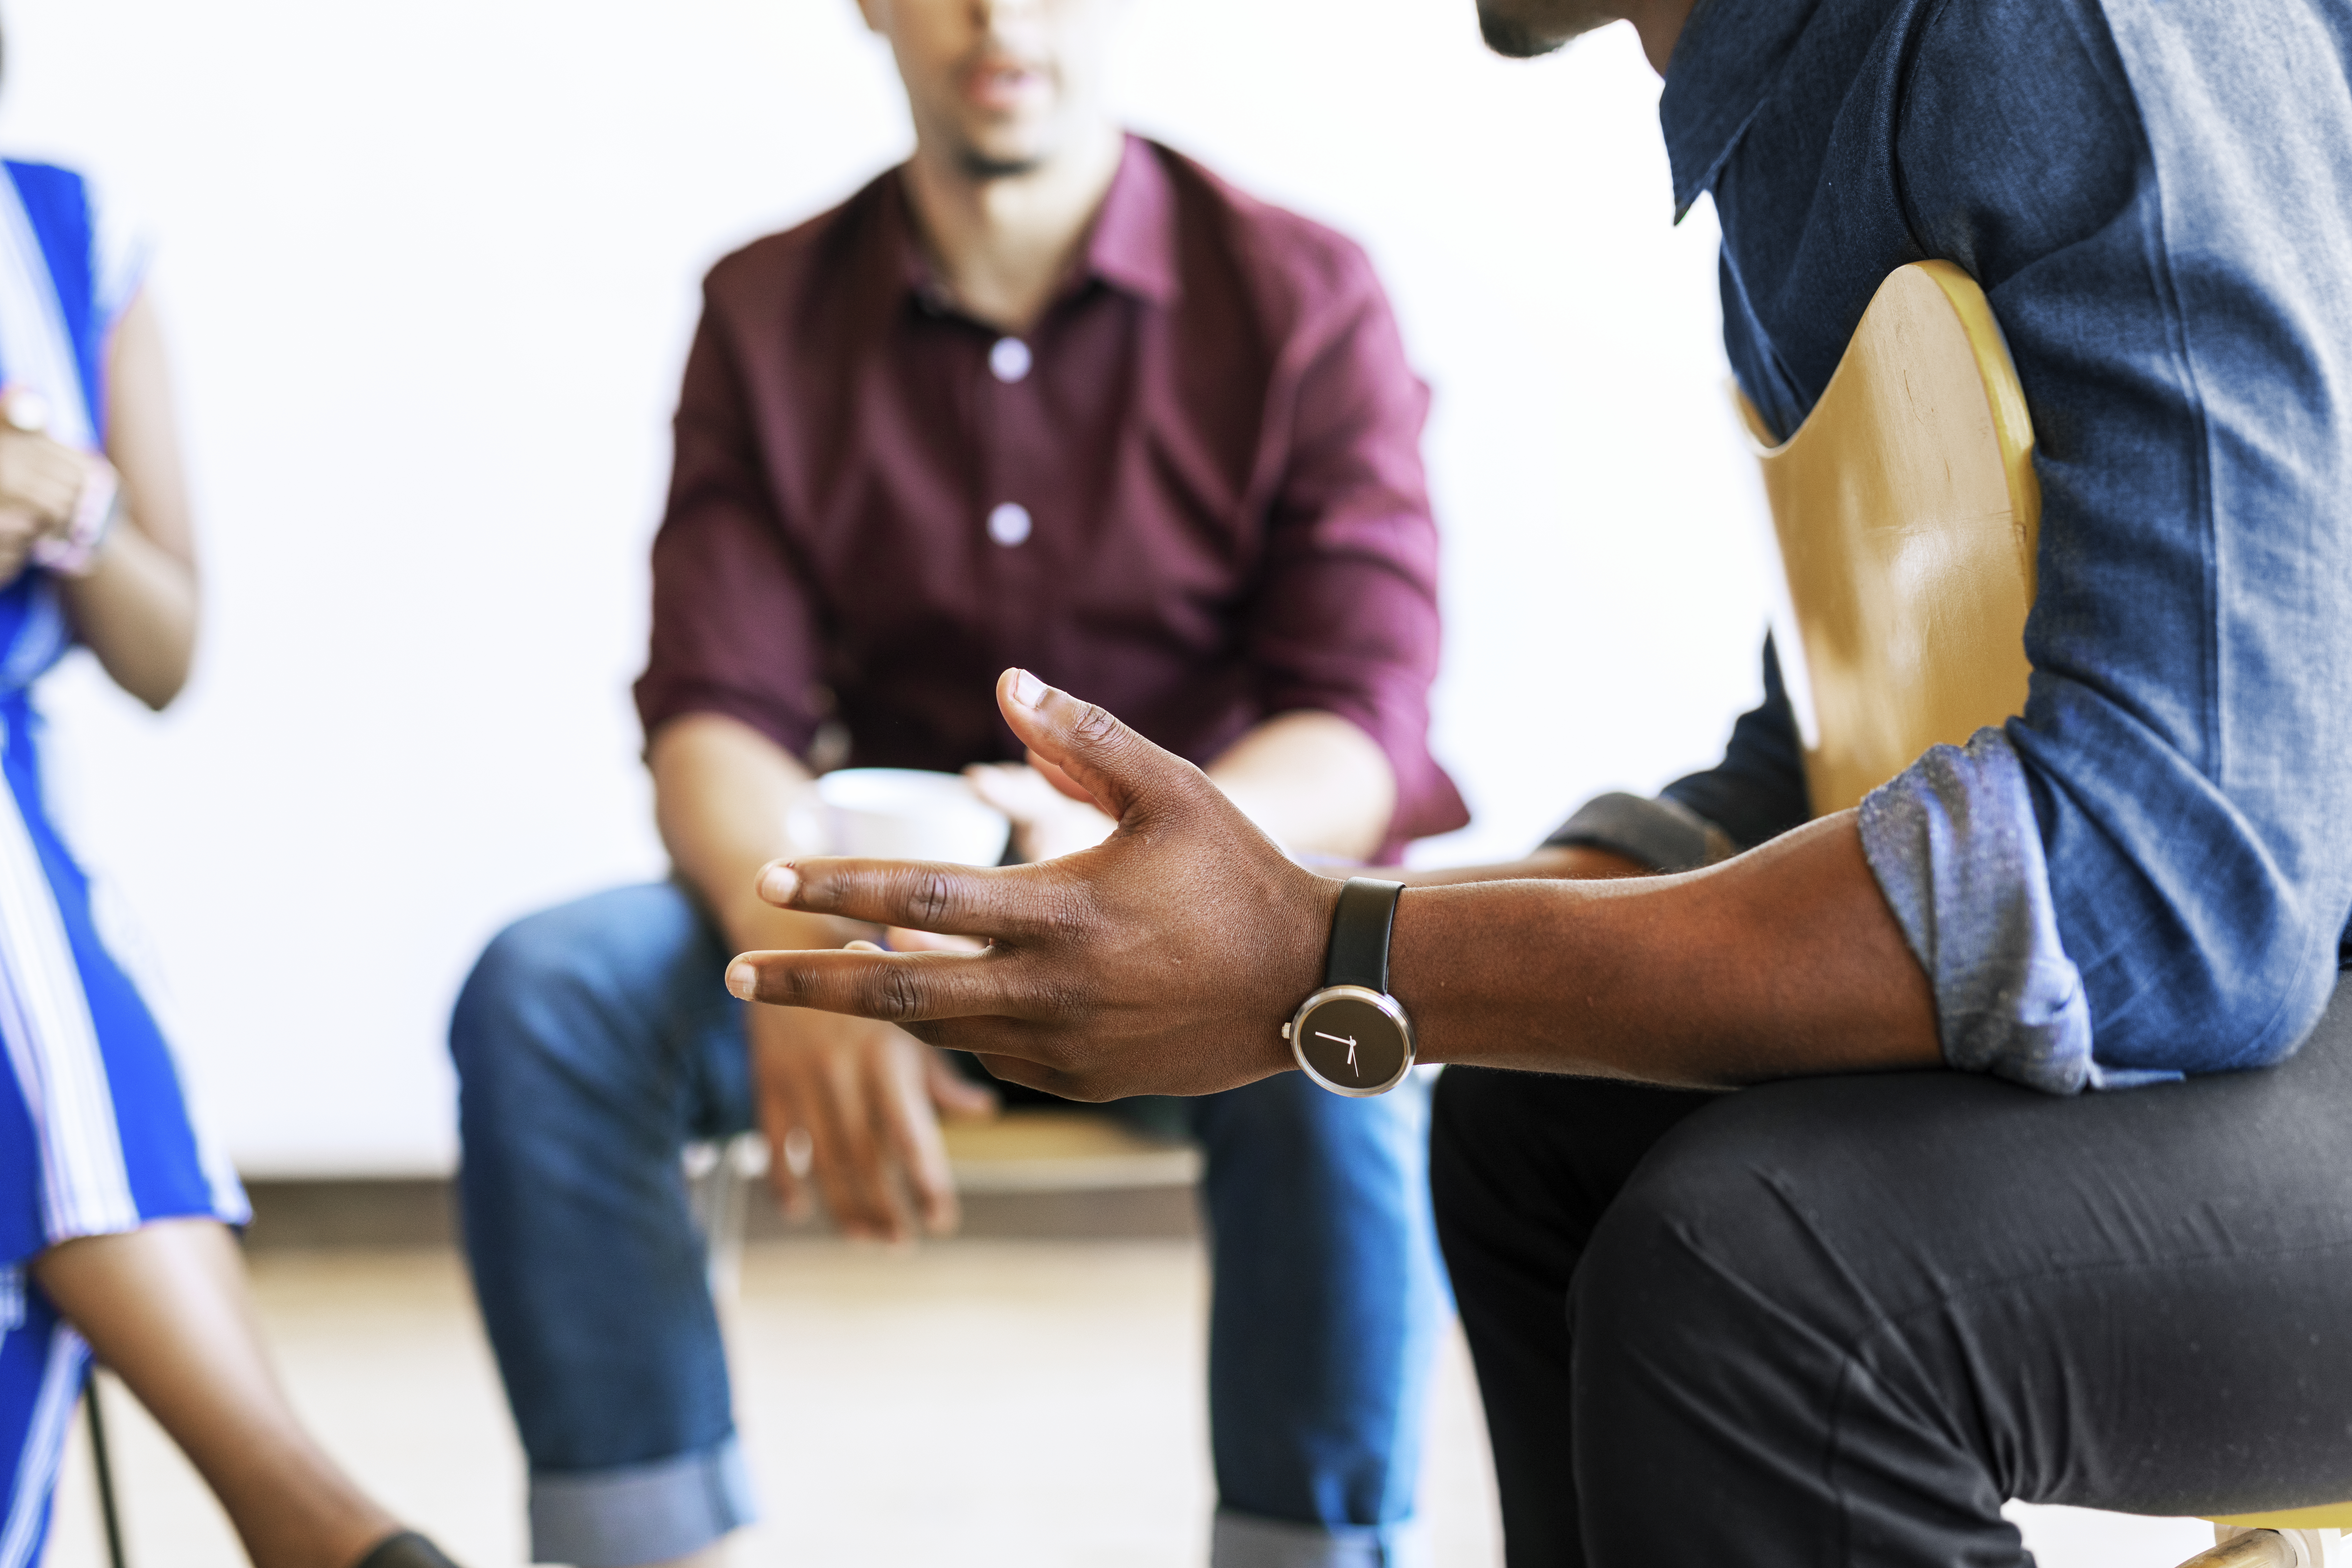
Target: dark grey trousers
1840,1320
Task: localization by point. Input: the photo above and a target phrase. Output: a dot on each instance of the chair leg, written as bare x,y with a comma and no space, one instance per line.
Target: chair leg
102,1465
722,1177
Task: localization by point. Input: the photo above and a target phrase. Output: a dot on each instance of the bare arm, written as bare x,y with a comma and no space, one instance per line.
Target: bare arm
1578,862
1166,959
1314,782
137,607
860,1094
720,791
1782,963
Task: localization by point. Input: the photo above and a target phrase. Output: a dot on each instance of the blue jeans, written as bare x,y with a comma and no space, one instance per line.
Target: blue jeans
594,1040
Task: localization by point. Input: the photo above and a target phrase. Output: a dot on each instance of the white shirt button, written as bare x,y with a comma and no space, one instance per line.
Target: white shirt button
1009,524
1009,360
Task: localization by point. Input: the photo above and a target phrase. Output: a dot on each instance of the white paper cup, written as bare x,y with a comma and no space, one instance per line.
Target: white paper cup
899,814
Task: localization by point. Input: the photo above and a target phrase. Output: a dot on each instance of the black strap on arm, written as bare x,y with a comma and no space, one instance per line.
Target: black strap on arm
1360,934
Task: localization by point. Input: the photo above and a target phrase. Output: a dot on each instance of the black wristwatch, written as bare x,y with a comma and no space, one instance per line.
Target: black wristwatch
1352,1036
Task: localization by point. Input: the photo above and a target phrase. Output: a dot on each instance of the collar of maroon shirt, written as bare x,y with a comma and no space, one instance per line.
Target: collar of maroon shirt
1131,246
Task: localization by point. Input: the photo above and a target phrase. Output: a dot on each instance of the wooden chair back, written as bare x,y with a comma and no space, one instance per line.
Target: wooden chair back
1907,513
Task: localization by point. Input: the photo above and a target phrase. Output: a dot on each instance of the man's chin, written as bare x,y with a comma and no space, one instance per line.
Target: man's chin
1002,151
981,164
1522,29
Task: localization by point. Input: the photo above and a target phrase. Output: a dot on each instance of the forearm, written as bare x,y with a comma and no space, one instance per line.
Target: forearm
1314,783
1164,962
1782,962
1578,862
721,793
137,611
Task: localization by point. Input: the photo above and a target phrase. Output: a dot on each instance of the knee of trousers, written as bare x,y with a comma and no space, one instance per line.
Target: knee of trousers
1712,1318
526,966
557,991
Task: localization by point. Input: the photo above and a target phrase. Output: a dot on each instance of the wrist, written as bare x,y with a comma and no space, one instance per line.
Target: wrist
1350,1035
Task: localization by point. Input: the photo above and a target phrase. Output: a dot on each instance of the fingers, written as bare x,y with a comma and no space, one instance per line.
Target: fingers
916,895
902,1105
819,1100
905,941
1117,769
893,987
41,475
783,1120
852,1159
791,1151
18,529
1047,822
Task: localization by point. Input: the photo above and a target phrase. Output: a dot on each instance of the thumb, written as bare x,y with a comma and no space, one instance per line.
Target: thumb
1118,768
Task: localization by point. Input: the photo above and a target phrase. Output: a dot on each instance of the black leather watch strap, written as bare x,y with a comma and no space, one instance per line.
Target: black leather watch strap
1360,934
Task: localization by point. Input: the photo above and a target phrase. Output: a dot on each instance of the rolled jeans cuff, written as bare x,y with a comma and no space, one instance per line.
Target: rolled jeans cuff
635,1514
1250,1541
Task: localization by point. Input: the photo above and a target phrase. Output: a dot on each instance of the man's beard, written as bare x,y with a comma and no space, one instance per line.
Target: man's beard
979,165
1512,38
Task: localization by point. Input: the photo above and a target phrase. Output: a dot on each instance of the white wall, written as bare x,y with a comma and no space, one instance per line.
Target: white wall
428,275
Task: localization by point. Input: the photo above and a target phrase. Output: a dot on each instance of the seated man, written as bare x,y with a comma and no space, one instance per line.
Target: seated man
1046,394
1973,1237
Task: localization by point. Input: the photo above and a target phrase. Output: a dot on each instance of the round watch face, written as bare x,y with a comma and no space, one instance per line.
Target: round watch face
1353,1040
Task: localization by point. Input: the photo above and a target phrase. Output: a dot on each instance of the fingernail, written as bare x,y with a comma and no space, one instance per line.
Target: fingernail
779,883
742,980
1027,690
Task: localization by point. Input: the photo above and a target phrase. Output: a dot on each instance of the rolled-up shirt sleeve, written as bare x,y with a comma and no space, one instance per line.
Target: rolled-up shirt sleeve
735,630
1958,853
1344,614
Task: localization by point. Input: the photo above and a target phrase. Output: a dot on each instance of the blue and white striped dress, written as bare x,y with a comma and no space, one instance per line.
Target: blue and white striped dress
95,1135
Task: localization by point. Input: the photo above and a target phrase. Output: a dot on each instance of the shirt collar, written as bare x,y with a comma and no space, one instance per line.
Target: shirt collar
1725,63
1131,247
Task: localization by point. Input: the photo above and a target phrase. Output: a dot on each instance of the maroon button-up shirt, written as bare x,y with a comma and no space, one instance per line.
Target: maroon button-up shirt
1193,493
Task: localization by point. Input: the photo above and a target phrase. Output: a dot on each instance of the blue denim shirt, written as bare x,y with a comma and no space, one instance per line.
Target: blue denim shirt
2148,873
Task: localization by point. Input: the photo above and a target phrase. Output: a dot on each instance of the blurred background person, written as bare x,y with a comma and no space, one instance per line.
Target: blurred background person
1048,393
114,1210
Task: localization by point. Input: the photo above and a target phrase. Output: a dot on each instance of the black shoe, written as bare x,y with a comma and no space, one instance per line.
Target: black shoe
406,1550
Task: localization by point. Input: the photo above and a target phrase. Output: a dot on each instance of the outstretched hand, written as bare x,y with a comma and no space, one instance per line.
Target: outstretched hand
1162,960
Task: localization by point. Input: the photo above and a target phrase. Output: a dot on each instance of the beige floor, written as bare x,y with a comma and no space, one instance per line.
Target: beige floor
978,1404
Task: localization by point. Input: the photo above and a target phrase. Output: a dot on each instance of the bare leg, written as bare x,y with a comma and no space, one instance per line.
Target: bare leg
166,1307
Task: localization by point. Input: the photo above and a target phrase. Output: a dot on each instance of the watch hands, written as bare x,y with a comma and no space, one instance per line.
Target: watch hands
1349,1041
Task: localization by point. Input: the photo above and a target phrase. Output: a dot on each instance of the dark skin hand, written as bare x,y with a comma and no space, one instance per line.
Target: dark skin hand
1166,959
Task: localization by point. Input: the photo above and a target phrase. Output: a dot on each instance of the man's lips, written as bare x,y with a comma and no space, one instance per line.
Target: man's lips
1002,85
